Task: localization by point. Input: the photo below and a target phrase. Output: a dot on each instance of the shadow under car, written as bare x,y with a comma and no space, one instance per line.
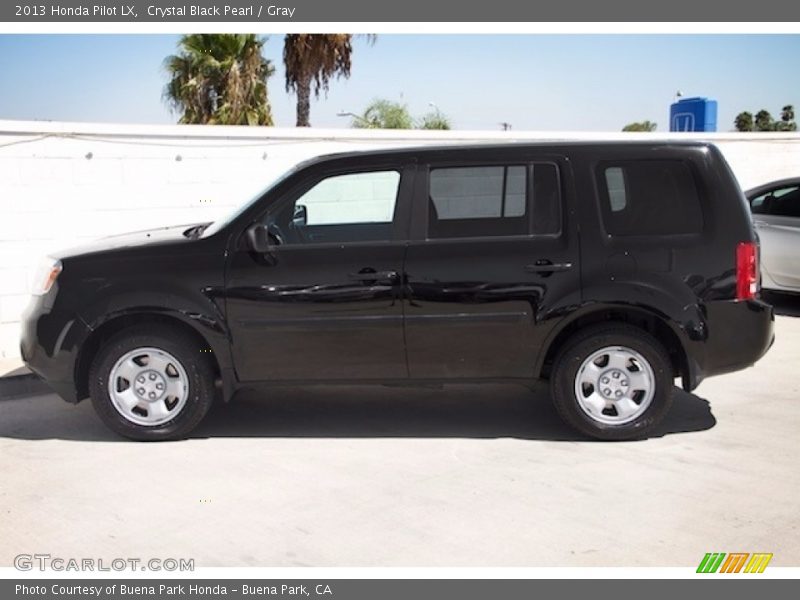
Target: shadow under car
485,411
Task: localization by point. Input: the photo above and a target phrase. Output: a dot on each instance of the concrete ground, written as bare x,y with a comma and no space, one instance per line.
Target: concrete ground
12,367
391,477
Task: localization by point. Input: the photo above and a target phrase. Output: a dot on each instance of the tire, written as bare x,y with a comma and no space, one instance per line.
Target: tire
612,382
174,383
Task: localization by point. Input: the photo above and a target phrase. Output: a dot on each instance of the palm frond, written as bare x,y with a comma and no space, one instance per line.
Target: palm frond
219,78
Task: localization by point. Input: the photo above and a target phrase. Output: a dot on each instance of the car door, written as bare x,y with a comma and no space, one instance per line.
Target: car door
493,256
324,302
776,216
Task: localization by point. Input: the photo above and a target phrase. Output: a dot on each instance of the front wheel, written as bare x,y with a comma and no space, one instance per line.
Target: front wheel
612,382
151,384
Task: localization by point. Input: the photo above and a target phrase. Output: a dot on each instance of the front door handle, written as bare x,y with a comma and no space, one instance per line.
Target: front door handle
761,224
369,274
546,266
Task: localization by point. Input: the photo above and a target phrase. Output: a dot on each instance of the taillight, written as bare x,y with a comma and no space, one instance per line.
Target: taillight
746,270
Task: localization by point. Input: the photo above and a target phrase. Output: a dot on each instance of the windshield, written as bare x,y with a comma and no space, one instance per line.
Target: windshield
236,211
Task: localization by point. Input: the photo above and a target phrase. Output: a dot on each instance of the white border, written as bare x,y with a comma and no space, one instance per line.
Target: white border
333,573
143,27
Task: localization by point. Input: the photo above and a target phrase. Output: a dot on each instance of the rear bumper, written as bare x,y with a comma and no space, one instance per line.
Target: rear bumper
49,345
737,335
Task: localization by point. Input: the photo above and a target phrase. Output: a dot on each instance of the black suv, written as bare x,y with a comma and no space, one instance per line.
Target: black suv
608,268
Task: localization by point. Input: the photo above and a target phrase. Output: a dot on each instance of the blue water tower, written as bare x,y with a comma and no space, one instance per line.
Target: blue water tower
693,114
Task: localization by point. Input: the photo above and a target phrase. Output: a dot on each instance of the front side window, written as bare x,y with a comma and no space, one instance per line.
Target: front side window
786,203
783,202
649,197
353,207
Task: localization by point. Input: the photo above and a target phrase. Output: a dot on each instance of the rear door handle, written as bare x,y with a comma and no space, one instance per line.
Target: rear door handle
373,275
545,266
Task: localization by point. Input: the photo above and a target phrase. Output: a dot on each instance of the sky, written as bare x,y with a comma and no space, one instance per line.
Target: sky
534,82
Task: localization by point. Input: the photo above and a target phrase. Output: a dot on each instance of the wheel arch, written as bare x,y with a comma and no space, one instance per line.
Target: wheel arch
648,320
129,319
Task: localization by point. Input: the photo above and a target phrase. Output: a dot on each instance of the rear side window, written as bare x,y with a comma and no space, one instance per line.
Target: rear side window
649,197
493,201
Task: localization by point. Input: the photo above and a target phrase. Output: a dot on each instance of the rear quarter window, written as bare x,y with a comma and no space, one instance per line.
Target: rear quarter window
649,197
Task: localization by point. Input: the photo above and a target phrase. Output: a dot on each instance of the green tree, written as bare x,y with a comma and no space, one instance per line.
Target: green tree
435,119
744,121
219,79
787,122
640,126
311,61
384,114
763,121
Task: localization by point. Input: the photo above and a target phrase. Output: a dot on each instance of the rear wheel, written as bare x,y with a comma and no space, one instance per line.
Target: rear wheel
151,384
612,382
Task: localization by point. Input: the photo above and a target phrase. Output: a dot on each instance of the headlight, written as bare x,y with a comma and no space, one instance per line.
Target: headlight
46,275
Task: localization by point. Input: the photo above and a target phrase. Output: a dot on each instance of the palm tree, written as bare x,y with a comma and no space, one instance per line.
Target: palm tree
315,59
219,79
787,119
435,119
763,121
384,114
641,126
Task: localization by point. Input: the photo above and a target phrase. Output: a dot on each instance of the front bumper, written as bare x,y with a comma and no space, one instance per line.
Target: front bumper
50,343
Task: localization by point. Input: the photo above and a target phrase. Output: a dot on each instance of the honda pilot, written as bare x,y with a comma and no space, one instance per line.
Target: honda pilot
608,269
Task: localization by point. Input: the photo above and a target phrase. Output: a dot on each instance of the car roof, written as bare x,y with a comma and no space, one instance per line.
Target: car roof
421,151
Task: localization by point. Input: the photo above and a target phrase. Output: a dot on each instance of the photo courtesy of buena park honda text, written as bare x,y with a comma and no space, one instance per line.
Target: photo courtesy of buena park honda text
359,300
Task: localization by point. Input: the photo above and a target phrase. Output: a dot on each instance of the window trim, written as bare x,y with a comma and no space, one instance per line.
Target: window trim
562,198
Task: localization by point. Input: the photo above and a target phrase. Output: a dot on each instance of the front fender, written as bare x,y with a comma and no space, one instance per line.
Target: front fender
201,312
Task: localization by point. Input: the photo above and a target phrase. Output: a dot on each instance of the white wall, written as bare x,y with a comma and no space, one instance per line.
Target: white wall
64,183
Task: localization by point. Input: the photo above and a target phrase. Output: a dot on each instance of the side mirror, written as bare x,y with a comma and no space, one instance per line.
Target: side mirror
300,218
257,238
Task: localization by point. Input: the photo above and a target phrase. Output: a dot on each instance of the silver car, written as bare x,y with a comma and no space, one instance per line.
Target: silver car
776,215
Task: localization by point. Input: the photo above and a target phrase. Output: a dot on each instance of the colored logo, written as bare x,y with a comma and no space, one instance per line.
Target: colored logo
735,562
